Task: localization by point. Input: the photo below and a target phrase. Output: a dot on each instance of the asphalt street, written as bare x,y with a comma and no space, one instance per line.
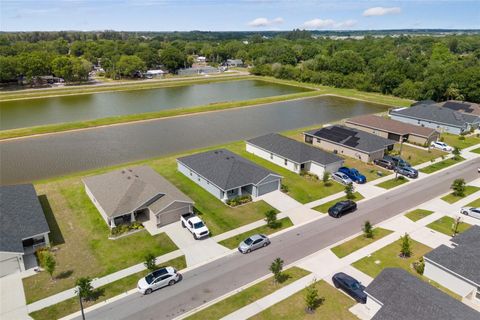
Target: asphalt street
223,275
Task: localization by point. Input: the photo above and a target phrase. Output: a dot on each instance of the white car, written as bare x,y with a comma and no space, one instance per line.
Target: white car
160,278
341,177
472,212
441,145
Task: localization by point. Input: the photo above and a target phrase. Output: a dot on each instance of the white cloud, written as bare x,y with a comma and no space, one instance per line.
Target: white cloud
328,23
381,11
264,22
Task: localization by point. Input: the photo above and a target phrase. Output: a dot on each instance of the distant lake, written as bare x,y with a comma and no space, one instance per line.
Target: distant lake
34,112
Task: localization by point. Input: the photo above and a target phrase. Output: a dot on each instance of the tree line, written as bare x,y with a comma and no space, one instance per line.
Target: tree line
416,67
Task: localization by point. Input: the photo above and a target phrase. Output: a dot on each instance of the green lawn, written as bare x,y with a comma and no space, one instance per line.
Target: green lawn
359,242
323,208
80,241
108,291
418,214
474,203
300,188
417,155
454,141
233,242
334,306
247,296
476,150
392,183
444,225
451,198
441,165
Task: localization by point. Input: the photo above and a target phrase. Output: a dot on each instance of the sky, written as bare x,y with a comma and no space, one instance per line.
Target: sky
236,15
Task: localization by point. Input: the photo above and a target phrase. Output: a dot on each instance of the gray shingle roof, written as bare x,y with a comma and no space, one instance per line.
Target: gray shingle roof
461,106
293,150
225,169
21,216
437,114
351,138
464,259
406,297
123,191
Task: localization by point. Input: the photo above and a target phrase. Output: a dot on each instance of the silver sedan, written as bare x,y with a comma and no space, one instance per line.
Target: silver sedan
254,242
472,212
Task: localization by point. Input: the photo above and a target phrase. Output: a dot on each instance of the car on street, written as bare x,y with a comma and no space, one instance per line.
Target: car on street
157,279
471,211
384,163
351,286
195,225
407,172
441,145
342,178
254,242
397,161
342,208
353,174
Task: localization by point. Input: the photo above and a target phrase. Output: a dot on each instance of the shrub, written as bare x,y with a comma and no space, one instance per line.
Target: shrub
419,266
458,187
49,263
349,190
150,262
284,188
271,218
312,299
85,288
461,137
367,229
276,268
239,200
326,178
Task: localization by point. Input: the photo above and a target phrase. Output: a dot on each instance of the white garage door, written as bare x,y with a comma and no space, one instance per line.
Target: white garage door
9,266
267,187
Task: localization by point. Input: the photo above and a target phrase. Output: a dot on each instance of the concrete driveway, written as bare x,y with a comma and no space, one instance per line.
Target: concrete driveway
280,201
196,251
12,298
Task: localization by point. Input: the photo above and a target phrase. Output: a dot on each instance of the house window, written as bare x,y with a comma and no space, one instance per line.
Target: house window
286,162
271,156
191,174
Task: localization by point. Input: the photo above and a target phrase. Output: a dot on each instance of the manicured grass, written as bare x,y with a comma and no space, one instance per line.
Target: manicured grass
81,244
441,165
454,141
334,306
108,291
476,150
417,155
233,242
451,198
300,188
418,214
474,203
392,183
388,257
323,208
247,296
359,242
444,225
369,170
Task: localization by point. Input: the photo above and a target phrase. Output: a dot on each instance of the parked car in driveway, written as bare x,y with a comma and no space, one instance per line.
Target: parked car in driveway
195,225
441,145
351,286
353,174
254,242
471,211
384,163
407,172
341,177
342,208
157,279
397,161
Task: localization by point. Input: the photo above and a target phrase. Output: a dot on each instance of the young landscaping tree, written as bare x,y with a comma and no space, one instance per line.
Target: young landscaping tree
456,153
85,289
271,218
349,190
367,229
276,268
150,262
326,178
49,263
405,250
455,225
311,297
458,187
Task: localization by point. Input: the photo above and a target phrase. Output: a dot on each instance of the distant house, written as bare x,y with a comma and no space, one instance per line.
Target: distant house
198,70
235,63
293,155
393,130
461,106
201,59
136,194
23,228
438,118
349,142
150,74
458,268
396,294
227,175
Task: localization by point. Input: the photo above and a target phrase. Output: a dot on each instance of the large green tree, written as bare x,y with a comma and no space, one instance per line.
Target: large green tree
127,66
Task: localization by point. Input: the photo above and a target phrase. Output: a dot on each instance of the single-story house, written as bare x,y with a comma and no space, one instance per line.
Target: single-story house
234,62
201,59
349,142
136,194
438,118
198,70
396,294
460,106
150,74
458,268
227,175
23,228
393,130
293,155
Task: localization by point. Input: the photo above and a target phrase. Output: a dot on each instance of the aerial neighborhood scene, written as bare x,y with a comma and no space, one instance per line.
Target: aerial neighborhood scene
240,159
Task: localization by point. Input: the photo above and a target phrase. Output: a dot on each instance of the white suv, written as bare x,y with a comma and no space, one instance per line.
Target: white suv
441,145
160,278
